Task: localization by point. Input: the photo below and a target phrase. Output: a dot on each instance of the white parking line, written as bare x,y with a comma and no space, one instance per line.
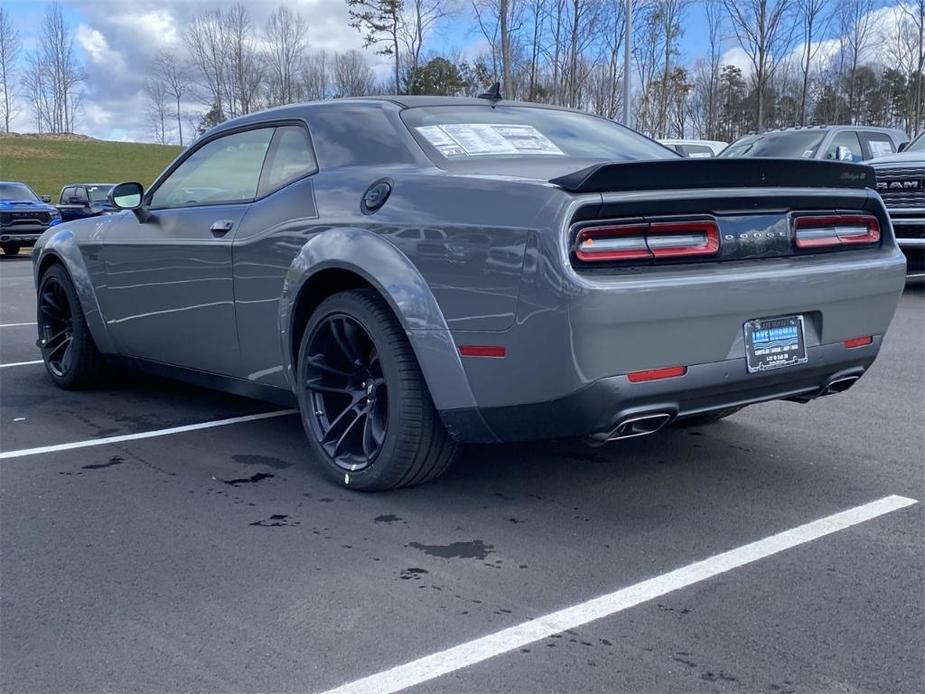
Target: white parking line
472,652
143,435
20,363
16,325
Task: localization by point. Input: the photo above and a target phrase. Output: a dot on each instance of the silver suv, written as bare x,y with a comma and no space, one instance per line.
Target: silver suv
833,142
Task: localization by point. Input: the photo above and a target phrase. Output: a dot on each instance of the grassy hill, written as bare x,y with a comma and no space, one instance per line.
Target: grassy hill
47,163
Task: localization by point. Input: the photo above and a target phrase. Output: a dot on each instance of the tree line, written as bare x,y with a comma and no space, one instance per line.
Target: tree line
806,62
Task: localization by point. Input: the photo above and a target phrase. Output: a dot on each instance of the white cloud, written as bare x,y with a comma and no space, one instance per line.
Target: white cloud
97,47
738,57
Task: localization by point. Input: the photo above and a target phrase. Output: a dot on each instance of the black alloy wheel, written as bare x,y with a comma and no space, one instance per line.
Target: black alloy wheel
56,326
368,414
347,392
71,358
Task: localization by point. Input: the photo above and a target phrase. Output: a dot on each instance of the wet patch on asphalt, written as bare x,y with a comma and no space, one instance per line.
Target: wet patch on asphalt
114,460
474,549
254,459
253,479
277,520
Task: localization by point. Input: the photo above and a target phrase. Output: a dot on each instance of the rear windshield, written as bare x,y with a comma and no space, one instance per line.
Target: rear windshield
790,145
466,133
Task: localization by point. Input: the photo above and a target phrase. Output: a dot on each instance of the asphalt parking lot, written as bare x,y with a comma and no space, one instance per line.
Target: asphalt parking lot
217,559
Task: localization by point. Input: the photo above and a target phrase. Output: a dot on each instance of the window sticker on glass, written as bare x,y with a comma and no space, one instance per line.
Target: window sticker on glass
879,148
460,140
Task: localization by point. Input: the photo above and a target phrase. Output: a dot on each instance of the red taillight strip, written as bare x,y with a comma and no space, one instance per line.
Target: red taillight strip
835,230
494,351
647,241
858,342
708,229
628,242
656,374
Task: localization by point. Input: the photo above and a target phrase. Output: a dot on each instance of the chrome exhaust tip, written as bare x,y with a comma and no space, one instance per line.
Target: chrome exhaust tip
839,385
640,425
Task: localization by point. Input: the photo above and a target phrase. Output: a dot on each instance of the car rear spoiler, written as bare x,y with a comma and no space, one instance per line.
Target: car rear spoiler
673,174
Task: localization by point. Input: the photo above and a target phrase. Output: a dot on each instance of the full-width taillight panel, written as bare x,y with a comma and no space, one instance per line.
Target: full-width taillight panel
830,231
647,241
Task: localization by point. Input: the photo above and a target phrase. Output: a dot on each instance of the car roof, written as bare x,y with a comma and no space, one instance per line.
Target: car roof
82,183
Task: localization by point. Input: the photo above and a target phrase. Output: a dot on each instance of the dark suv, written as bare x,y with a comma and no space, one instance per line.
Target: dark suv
833,142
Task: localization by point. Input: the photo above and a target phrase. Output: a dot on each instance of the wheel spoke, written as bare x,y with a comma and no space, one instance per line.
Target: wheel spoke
320,362
338,331
343,437
316,385
351,409
65,342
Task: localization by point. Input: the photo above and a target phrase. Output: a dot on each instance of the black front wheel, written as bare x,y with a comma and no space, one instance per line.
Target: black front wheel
10,248
70,355
365,406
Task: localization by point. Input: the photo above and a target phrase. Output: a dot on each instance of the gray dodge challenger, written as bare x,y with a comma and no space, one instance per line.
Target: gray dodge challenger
416,273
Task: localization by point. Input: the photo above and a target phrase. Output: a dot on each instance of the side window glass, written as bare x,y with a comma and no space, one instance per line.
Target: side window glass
848,139
225,170
879,144
290,157
81,194
66,195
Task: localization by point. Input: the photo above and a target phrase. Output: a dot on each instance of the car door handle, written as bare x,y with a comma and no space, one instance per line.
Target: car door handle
221,227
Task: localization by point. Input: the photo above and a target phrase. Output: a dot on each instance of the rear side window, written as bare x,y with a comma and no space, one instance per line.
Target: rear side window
290,157
879,144
225,170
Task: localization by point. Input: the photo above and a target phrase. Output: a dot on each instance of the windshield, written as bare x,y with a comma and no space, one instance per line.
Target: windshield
98,193
17,191
465,133
790,145
917,145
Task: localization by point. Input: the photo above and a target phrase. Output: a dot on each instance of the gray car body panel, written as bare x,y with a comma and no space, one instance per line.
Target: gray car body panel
470,254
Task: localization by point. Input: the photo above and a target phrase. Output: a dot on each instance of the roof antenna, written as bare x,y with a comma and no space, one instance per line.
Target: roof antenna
493,94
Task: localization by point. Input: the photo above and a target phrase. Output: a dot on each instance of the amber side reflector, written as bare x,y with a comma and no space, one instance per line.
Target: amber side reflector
495,351
858,342
656,374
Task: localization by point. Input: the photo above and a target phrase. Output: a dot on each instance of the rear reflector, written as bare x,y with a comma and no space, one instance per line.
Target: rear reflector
836,230
858,342
495,351
656,374
647,241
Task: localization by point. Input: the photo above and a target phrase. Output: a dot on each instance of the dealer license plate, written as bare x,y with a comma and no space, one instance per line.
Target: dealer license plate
774,343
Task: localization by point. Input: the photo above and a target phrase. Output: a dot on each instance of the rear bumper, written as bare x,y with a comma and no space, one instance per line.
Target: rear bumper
597,409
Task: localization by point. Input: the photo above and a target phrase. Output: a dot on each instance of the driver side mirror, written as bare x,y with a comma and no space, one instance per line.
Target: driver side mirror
130,196
903,146
45,198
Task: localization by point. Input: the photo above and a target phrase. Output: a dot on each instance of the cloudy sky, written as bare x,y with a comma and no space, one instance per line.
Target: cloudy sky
117,38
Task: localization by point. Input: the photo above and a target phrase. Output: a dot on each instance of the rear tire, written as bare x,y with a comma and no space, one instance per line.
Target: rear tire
70,355
708,418
10,248
365,407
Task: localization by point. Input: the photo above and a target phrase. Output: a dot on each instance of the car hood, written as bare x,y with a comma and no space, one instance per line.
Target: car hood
900,158
25,206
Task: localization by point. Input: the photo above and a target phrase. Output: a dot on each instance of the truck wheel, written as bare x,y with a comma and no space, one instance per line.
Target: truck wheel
10,248
365,407
708,418
70,355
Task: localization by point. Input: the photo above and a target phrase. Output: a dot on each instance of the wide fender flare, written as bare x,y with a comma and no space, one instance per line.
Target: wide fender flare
395,277
62,244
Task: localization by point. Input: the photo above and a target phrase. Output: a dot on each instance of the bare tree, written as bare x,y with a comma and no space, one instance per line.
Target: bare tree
316,76
813,23
915,11
207,40
669,14
156,109
854,19
499,22
244,74
10,46
419,19
53,75
381,23
761,29
170,70
286,37
352,74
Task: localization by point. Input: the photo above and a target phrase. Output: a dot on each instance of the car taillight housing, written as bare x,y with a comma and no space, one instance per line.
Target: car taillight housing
647,241
828,231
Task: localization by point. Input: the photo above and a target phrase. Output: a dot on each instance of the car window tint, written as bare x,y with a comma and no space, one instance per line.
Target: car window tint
846,138
879,144
81,194
222,171
290,158
66,195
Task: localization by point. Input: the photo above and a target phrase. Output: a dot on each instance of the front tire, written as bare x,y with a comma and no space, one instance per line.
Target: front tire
365,407
10,248
70,355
